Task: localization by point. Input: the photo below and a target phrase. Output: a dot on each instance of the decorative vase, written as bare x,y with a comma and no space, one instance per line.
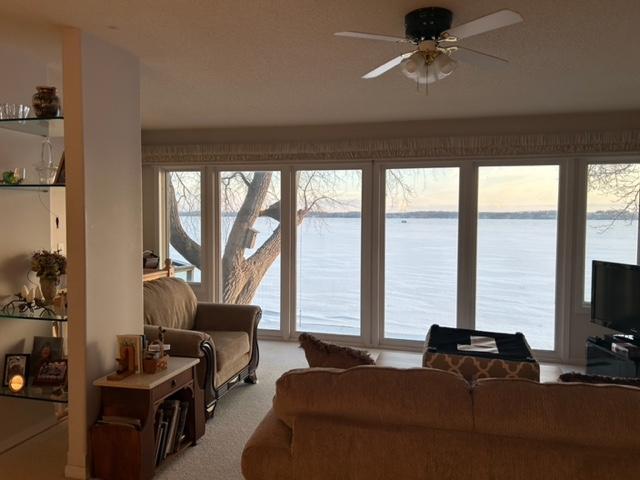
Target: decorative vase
49,287
46,103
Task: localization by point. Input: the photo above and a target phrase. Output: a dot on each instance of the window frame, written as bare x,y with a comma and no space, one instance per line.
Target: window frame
200,288
570,242
579,305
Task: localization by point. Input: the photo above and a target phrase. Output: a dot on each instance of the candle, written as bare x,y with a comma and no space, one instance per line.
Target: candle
38,293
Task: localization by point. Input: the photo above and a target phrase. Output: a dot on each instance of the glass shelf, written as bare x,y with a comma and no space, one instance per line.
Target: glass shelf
42,127
43,394
33,316
32,187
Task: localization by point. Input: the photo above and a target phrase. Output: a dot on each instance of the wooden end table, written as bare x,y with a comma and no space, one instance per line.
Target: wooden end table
122,452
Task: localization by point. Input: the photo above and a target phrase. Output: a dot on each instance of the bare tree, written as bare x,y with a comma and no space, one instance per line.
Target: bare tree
247,196
621,182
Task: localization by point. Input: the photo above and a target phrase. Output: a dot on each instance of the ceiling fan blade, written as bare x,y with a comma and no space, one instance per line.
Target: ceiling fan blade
500,19
372,36
376,72
474,57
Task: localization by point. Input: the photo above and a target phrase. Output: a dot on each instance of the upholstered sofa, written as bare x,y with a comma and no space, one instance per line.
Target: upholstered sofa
224,337
384,423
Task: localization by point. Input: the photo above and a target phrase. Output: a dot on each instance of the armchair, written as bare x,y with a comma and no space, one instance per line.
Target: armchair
223,336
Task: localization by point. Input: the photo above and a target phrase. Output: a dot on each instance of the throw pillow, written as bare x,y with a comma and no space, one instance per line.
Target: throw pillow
584,378
324,354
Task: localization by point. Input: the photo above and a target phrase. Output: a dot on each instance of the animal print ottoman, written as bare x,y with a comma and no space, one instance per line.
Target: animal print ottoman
492,355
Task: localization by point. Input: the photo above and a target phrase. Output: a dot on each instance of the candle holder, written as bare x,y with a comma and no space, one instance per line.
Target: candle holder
22,305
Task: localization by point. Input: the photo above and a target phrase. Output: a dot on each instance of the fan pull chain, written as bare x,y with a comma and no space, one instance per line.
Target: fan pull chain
426,82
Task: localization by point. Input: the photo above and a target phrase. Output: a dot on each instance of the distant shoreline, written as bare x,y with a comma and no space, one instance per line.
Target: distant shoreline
530,215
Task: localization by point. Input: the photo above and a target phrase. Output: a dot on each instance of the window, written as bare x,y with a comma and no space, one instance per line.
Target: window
516,251
300,241
184,212
251,241
421,250
613,191
329,236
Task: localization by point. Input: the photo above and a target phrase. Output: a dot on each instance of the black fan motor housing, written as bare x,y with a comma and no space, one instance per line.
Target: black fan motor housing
427,23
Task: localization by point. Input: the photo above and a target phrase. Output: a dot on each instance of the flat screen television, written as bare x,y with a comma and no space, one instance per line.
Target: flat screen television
615,296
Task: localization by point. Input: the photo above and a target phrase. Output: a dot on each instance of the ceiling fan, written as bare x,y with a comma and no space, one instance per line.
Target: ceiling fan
438,51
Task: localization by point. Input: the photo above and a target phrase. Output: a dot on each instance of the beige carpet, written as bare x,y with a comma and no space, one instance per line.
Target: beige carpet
217,455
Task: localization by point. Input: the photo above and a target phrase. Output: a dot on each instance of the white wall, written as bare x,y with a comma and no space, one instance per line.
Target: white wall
104,215
27,225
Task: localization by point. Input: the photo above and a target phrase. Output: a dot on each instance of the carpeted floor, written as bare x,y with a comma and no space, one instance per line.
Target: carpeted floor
217,455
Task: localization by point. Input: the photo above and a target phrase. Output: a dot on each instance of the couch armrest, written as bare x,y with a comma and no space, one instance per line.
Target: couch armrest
184,343
221,316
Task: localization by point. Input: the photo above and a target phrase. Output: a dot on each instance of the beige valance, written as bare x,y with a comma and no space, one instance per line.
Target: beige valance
486,146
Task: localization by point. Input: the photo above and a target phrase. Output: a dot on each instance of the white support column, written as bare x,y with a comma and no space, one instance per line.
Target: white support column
104,221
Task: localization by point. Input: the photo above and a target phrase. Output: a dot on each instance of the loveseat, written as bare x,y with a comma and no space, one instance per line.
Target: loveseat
380,423
223,336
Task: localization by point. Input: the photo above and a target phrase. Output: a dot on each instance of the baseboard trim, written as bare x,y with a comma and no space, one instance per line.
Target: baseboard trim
27,434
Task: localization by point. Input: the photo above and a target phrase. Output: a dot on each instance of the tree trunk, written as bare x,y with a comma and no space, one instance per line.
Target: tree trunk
179,238
241,277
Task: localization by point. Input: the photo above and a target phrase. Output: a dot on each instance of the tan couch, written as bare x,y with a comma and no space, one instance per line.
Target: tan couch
223,336
384,423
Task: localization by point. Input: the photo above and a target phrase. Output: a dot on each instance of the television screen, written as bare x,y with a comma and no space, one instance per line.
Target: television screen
615,296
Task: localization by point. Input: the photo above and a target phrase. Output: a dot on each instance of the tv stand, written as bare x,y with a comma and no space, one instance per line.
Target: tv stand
602,361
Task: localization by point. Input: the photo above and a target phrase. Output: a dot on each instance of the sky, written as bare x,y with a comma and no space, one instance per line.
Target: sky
500,189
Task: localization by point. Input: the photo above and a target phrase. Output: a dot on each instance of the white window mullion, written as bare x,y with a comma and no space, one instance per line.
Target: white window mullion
212,216
367,259
378,253
467,244
287,269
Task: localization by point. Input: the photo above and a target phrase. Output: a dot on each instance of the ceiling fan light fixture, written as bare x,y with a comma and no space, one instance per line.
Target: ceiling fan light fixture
424,68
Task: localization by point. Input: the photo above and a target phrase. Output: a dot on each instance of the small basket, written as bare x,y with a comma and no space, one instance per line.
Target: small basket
155,361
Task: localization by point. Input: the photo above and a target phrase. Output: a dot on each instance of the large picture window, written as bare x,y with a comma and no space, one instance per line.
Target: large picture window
516,252
421,250
376,252
613,196
251,241
184,212
328,251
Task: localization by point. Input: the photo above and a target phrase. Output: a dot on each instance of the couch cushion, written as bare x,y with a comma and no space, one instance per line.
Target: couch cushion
267,454
370,394
590,415
169,302
330,355
230,346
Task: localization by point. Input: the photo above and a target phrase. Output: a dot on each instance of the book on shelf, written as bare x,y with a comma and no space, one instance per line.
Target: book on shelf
161,441
171,422
172,410
182,422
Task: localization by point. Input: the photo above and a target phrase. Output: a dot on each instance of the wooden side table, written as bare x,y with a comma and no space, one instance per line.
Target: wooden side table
122,452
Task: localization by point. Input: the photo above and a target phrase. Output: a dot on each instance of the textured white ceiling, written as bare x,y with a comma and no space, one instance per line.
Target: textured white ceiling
214,63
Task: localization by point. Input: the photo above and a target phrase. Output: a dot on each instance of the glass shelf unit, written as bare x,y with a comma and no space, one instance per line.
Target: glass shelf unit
33,316
42,127
32,392
33,187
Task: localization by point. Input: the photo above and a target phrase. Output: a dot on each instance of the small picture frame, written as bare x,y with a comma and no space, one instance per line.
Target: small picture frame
51,374
15,364
45,349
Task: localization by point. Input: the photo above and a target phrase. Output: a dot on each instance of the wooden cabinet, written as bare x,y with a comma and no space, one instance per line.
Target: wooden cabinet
125,452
